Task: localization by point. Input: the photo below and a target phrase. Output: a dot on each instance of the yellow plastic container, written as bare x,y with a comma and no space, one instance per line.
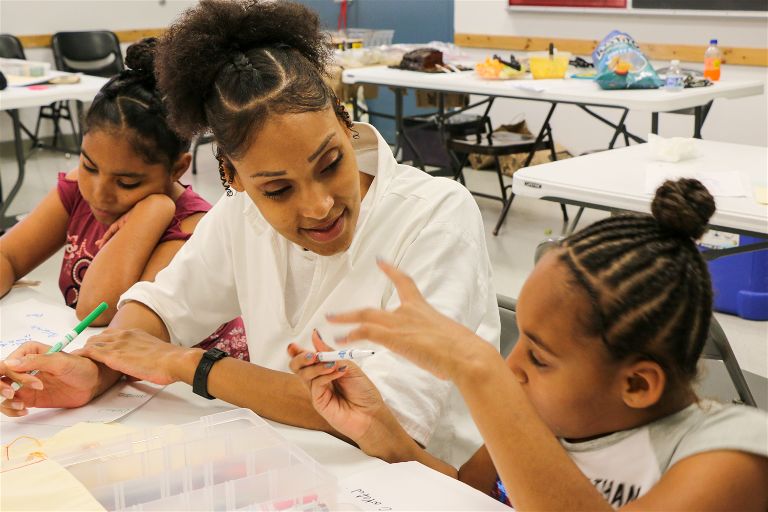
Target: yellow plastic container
544,65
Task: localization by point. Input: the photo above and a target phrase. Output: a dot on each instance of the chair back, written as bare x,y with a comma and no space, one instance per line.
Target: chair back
93,52
11,48
509,331
717,347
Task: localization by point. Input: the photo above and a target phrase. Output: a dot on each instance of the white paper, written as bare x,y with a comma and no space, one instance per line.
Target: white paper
33,320
724,183
121,399
410,486
47,323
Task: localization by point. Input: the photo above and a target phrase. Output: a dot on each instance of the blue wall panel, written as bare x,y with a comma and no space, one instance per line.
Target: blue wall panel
414,21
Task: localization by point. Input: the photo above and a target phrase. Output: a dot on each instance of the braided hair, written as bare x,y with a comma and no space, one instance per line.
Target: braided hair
226,66
648,285
131,104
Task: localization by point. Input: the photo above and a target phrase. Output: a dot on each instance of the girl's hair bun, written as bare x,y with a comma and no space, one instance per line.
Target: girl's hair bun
140,57
684,207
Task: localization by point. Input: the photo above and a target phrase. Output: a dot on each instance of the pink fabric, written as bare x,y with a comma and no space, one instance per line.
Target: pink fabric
83,230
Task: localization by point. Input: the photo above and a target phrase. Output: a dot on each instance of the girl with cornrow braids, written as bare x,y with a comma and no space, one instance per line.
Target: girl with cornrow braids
311,201
594,408
122,213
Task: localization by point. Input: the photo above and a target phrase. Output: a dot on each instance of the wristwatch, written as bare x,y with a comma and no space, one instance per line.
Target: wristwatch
200,381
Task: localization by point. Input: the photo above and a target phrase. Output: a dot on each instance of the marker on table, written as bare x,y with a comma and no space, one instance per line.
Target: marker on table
71,335
342,355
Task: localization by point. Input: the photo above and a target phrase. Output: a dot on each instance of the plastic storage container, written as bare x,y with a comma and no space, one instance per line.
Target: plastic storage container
20,67
741,282
227,461
544,65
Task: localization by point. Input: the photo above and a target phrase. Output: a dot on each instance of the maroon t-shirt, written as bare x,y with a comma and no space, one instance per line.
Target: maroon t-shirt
83,230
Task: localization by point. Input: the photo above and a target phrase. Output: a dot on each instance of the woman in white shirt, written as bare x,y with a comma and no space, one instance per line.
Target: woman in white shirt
317,200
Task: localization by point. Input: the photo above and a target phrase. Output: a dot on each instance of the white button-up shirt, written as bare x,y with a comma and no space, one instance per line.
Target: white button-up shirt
235,264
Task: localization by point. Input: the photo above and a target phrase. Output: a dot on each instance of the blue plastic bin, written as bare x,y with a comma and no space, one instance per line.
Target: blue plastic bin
741,282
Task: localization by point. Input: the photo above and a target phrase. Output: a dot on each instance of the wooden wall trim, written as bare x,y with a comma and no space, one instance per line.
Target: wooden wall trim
686,53
125,36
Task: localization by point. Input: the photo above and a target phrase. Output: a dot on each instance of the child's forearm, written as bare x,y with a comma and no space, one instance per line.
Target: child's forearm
120,263
7,274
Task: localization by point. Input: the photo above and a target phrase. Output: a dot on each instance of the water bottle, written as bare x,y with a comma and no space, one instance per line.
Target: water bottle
712,59
674,81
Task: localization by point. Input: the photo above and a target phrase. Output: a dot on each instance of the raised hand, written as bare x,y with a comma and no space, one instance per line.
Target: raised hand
64,380
415,330
340,391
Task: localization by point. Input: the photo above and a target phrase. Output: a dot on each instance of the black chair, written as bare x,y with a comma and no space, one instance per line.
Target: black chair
509,330
11,48
93,53
205,138
497,144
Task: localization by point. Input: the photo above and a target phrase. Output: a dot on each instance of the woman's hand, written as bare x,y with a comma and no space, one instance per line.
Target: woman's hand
64,380
416,331
340,391
140,355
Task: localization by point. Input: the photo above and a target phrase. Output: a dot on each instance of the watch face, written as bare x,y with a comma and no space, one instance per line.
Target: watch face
216,354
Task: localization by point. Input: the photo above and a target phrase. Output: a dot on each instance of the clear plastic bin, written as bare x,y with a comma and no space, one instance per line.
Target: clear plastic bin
20,67
228,461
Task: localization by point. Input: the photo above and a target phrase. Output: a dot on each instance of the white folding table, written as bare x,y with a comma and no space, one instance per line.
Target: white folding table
14,98
615,181
585,94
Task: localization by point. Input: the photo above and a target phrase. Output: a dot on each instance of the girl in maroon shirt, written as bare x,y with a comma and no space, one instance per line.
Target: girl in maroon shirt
122,214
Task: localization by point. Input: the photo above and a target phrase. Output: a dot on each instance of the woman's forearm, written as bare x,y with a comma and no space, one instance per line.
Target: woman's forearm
275,395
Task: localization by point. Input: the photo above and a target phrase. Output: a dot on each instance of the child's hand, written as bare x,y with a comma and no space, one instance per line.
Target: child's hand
417,331
154,206
65,380
113,228
340,391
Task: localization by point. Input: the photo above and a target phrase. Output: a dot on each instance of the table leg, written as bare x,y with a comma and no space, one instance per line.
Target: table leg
80,118
620,128
7,222
698,120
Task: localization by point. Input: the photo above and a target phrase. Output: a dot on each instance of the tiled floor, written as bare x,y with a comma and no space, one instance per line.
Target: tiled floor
511,252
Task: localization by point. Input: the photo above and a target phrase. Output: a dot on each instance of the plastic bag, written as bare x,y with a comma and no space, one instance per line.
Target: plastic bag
621,65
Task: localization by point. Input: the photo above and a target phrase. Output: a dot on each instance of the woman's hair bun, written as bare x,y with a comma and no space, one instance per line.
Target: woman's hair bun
140,57
217,33
683,206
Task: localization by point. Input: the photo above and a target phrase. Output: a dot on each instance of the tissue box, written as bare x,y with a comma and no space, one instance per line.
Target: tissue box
227,461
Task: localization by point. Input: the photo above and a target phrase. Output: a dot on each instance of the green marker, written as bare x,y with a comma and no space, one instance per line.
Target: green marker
71,335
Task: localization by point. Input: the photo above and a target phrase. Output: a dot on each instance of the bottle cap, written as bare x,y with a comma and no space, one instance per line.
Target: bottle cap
713,41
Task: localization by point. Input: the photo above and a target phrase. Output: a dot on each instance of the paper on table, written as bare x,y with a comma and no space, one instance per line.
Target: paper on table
719,183
35,320
410,486
44,485
119,400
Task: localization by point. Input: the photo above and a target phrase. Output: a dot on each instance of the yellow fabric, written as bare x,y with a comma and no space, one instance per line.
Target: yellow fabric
44,485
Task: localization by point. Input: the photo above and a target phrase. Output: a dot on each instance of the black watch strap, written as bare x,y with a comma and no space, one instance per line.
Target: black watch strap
200,381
